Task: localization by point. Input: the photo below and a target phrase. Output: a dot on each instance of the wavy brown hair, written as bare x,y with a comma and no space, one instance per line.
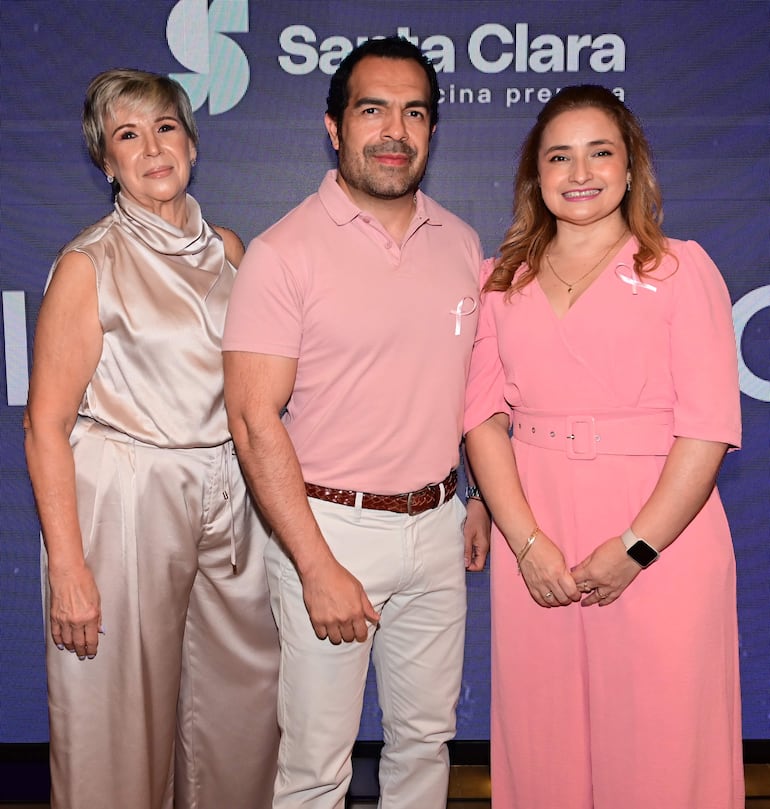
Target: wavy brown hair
534,226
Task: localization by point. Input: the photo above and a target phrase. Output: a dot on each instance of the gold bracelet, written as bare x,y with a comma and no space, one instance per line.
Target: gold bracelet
527,545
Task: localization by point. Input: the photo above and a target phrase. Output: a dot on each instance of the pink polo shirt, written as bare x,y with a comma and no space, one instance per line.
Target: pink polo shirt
382,333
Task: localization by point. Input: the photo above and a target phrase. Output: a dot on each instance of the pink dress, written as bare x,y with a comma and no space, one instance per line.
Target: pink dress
636,704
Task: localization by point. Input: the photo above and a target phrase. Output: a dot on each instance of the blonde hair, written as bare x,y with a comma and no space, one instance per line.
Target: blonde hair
534,226
136,88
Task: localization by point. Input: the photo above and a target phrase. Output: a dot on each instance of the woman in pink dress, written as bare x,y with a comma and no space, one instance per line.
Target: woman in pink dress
608,349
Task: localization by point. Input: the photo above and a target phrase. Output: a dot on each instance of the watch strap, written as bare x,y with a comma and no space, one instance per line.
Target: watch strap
639,549
629,538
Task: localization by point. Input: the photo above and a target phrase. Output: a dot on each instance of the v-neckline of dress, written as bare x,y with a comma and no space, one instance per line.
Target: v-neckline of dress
613,260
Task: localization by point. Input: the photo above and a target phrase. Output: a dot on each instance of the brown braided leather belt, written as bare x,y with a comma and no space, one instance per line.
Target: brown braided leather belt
407,503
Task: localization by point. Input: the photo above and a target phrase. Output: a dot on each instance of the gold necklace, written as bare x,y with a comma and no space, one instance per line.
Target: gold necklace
585,275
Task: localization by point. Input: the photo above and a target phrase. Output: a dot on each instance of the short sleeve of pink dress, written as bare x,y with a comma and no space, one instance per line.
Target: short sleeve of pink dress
704,364
484,393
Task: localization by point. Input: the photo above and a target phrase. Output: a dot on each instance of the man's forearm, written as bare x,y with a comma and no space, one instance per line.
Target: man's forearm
272,470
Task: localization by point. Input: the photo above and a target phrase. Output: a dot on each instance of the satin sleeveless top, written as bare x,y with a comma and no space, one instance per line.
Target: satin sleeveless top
162,296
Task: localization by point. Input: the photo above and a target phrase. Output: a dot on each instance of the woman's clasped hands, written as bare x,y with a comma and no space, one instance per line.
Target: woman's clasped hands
599,579
605,573
545,572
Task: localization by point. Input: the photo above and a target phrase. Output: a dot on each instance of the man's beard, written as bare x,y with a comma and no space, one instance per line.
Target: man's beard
382,184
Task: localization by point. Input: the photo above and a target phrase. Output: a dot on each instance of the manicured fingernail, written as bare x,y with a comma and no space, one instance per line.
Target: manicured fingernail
60,647
102,630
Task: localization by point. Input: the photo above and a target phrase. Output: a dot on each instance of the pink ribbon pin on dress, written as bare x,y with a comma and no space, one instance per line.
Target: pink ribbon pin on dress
633,279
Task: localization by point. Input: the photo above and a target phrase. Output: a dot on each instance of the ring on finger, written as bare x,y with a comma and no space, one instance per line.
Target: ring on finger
549,594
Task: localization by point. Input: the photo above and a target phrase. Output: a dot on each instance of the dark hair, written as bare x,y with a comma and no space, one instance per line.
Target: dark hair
392,47
534,226
137,88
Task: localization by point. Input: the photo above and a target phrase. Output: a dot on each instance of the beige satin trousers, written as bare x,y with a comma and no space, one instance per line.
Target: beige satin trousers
178,708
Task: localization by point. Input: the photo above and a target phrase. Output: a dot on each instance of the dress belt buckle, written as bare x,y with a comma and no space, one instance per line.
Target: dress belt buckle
581,438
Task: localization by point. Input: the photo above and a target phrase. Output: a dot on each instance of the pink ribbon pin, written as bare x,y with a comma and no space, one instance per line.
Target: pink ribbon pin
460,311
634,280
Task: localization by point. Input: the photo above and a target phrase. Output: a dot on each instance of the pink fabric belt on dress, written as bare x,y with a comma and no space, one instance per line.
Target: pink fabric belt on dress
584,436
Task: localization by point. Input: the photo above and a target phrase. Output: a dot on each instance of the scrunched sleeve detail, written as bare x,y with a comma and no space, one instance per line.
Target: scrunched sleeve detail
486,380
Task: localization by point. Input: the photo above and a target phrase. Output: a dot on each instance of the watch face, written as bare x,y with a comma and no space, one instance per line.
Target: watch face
642,553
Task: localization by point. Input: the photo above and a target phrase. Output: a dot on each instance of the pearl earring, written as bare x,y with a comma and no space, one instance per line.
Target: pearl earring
628,182
110,179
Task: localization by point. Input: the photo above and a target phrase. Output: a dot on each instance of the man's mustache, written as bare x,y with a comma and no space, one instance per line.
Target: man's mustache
390,148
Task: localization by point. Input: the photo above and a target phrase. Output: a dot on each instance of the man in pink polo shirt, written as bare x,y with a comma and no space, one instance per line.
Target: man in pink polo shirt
356,313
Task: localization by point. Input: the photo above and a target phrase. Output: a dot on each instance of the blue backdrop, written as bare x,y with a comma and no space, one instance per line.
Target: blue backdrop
695,72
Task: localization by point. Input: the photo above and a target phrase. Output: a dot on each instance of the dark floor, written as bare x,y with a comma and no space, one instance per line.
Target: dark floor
469,789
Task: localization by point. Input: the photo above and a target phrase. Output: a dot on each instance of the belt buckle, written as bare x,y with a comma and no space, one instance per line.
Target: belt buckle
581,437
426,490
409,504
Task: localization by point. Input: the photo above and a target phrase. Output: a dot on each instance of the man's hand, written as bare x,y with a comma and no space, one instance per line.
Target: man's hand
337,604
476,531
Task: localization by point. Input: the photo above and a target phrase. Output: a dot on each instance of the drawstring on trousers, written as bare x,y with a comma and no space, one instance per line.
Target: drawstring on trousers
226,496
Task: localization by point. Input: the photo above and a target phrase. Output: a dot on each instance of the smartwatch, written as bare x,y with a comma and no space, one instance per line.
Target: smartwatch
638,549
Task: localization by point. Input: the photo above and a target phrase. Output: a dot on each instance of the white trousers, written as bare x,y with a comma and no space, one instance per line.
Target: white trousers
178,706
413,573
